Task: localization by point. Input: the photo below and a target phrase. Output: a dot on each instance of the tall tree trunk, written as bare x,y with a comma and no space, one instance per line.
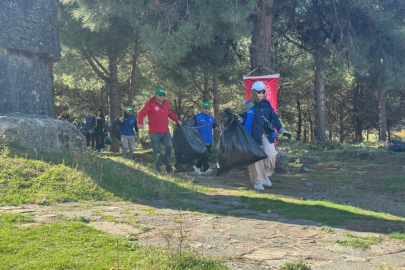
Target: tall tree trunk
382,116
341,124
310,129
206,93
215,95
319,98
357,97
299,122
330,131
131,94
114,96
113,92
178,107
260,48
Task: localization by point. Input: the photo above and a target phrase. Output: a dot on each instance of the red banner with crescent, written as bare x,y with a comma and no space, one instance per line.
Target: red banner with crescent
271,84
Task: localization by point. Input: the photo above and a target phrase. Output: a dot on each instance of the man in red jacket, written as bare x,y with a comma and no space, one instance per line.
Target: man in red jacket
158,111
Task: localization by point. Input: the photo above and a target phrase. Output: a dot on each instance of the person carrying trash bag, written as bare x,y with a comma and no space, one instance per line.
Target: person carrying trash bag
260,120
236,147
158,111
188,145
205,124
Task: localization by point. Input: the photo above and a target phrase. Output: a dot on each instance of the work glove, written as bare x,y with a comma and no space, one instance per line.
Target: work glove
288,135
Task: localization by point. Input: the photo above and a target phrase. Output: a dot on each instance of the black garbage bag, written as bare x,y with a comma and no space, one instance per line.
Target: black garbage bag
236,147
183,163
188,143
395,146
115,129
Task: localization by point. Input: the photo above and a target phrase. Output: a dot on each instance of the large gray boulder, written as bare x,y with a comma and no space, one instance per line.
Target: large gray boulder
282,161
41,132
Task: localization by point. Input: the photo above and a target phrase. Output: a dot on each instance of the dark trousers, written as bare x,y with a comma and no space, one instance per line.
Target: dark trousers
90,136
204,161
157,140
99,134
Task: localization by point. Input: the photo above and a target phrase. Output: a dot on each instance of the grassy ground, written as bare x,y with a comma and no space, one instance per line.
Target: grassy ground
73,245
29,177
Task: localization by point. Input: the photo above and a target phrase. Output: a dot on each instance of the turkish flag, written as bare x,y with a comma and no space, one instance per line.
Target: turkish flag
271,84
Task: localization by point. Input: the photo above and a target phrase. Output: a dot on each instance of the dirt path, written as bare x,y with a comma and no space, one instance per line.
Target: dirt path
255,241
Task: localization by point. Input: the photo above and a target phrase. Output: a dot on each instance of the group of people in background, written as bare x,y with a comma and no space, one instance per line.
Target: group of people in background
94,128
256,115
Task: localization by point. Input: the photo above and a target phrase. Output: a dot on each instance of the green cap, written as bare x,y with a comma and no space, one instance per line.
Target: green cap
76,121
107,117
160,91
206,105
130,108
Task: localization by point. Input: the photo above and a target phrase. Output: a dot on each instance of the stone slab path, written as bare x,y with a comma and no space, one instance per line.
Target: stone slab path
257,241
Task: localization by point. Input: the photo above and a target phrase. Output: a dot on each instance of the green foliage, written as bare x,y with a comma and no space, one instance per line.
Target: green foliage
359,242
13,218
327,229
397,235
295,266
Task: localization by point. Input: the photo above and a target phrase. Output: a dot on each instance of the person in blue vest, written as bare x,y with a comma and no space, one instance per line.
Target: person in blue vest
259,119
89,131
206,124
128,124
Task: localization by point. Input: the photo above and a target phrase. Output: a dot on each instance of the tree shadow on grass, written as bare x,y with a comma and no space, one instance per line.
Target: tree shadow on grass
132,184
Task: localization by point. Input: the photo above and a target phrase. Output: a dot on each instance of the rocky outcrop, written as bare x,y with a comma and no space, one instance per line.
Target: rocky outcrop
395,146
359,154
282,161
308,160
29,45
41,133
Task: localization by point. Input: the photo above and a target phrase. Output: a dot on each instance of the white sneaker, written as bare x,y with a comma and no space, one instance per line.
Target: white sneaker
197,170
268,181
208,172
259,187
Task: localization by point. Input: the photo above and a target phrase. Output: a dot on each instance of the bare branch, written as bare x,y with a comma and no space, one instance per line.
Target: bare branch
94,66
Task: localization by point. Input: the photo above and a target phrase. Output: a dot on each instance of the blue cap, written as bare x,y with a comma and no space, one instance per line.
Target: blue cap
258,86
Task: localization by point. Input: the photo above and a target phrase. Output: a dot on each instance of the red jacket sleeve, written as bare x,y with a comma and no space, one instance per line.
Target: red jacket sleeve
172,115
144,112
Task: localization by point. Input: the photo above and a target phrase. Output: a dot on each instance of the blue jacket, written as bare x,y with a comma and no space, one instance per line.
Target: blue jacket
88,123
254,122
127,127
203,120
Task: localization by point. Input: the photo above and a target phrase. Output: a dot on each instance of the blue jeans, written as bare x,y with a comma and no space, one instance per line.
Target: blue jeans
157,140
